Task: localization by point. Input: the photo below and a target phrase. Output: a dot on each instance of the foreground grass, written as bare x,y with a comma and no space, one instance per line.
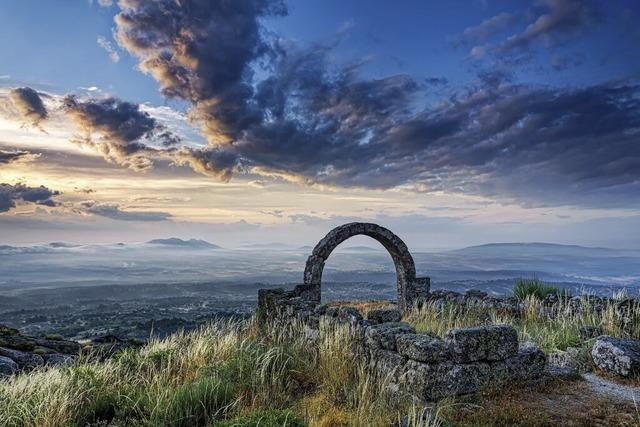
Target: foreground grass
552,328
226,374
245,374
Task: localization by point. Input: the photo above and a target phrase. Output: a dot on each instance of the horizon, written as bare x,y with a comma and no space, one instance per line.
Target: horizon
505,121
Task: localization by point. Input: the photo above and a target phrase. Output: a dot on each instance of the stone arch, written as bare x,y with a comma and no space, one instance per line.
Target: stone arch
409,287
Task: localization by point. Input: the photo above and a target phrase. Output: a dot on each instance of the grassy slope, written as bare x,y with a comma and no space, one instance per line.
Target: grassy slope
229,374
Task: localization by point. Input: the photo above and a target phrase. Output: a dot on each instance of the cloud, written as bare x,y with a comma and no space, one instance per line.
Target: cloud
210,161
105,3
559,17
10,194
113,211
123,130
15,156
487,28
107,46
310,121
29,104
200,51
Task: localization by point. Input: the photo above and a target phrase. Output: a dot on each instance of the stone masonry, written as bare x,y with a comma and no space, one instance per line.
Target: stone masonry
422,364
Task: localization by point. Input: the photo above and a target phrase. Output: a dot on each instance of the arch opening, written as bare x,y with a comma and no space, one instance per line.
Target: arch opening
402,259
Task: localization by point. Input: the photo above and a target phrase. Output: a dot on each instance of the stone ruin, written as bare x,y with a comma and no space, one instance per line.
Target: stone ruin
422,364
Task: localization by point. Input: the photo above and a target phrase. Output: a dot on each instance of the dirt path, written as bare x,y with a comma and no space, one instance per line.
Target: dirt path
603,386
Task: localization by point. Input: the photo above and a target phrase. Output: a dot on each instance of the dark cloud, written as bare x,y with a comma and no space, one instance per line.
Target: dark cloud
7,156
124,130
10,194
209,161
200,51
113,211
310,121
29,105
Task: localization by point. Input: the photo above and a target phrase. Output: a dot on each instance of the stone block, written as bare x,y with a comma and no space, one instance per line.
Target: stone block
384,315
7,367
383,336
527,364
620,356
489,343
421,347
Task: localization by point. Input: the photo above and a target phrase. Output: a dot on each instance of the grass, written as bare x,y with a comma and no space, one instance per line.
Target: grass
526,288
552,328
226,374
249,374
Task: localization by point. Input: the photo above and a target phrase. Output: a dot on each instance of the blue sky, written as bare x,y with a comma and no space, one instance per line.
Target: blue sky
189,118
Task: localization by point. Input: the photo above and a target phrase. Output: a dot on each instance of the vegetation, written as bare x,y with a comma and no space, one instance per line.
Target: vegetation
526,288
245,374
554,327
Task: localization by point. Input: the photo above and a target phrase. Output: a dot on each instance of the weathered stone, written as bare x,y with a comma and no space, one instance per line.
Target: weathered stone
617,355
388,363
7,367
457,379
587,332
527,364
409,287
384,335
569,358
23,359
421,347
57,359
419,378
60,346
482,343
384,315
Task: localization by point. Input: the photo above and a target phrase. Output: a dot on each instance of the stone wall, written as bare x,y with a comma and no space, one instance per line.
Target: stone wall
422,364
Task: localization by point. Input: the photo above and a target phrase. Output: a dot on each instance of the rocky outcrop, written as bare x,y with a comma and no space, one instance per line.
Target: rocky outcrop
421,364
620,356
20,352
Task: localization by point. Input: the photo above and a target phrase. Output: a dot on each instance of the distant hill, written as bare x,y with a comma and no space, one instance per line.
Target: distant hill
537,248
187,244
268,245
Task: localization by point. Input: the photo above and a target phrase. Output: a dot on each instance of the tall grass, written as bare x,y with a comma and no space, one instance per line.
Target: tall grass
554,327
526,288
225,374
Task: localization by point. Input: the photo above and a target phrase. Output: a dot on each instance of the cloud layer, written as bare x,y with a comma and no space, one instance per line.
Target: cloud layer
10,194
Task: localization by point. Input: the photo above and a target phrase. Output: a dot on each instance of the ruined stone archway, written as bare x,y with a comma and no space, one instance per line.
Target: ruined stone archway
409,287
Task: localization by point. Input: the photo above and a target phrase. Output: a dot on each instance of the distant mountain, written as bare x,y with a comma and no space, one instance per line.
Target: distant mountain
537,248
268,245
187,244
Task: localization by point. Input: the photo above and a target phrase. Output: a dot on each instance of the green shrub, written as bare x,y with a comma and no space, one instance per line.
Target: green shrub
198,403
533,287
268,418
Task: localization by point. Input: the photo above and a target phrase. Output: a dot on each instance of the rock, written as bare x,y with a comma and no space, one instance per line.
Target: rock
421,347
60,346
388,363
482,343
23,359
559,372
587,332
527,364
620,356
475,293
570,358
384,315
454,379
57,359
384,335
7,367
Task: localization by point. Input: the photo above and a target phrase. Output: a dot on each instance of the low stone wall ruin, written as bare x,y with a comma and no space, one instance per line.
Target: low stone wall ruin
422,364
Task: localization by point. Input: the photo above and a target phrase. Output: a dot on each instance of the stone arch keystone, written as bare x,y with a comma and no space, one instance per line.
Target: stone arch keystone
409,286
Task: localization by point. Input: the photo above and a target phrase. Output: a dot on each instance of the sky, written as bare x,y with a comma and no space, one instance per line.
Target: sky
451,123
